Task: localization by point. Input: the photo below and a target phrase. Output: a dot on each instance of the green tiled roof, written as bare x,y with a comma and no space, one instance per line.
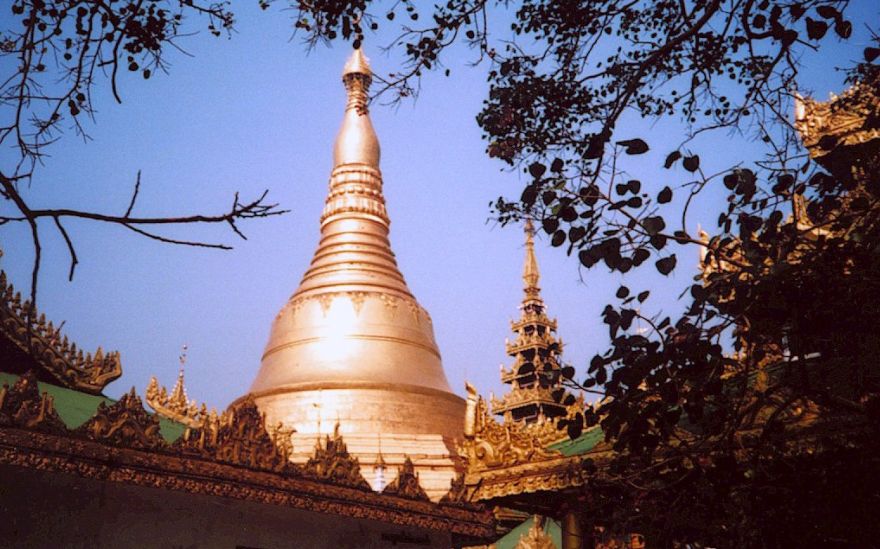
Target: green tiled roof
75,408
581,445
510,540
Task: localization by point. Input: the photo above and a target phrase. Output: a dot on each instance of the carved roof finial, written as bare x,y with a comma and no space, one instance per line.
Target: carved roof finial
406,485
176,405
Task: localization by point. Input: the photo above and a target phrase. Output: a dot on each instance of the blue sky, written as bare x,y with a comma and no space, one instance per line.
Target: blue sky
257,112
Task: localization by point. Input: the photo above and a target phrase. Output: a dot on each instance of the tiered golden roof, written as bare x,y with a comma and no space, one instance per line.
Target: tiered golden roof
60,361
534,374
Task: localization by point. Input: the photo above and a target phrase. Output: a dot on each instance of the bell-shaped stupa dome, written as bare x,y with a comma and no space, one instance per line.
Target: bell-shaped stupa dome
352,345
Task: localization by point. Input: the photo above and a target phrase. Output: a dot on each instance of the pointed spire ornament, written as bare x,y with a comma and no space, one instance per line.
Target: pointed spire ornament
531,274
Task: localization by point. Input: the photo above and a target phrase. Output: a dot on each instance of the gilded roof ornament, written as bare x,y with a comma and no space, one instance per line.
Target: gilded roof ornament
59,360
124,423
535,373
239,437
536,537
406,485
490,444
23,406
176,405
842,121
457,494
332,463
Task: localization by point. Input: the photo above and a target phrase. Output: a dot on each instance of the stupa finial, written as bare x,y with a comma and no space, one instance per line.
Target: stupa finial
357,64
357,142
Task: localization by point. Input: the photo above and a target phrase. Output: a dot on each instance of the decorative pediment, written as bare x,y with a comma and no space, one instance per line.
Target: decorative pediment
59,360
332,463
22,405
175,405
490,444
124,423
406,485
239,437
457,493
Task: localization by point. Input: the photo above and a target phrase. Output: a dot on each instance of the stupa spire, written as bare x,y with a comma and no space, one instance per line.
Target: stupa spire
356,142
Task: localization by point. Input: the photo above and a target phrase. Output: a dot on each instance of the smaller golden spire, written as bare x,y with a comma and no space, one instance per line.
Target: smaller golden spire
531,274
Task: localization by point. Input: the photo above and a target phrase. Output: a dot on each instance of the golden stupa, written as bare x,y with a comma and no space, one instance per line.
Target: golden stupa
352,345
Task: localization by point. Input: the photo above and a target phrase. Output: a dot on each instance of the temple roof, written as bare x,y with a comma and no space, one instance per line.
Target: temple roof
76,407
29,341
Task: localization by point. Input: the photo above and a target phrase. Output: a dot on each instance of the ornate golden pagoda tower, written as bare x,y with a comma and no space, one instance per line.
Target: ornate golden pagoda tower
534,374
352,345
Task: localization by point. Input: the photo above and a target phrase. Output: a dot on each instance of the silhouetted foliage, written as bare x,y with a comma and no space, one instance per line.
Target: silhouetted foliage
741,422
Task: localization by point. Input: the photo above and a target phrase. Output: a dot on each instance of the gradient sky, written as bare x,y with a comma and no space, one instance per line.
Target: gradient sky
257,112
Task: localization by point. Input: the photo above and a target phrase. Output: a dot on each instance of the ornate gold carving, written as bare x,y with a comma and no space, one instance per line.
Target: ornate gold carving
520,396
325,300
406,485
536,538
357,300
24,406
490,444
415,309
840,121
87,459
239,437
457,493
390,302
332,463
176,406
49,348
124,423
